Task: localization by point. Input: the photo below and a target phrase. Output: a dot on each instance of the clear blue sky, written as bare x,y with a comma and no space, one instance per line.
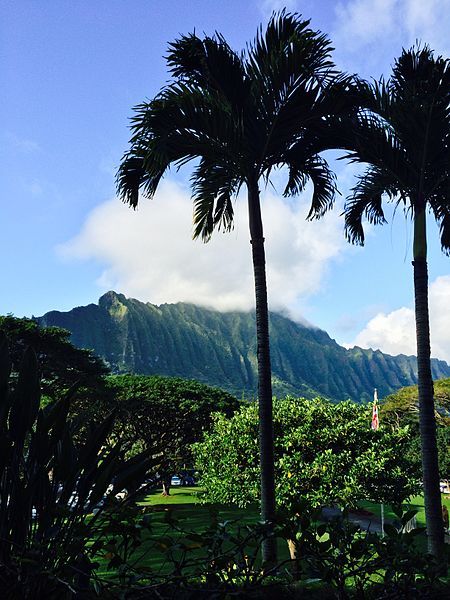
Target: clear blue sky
70,73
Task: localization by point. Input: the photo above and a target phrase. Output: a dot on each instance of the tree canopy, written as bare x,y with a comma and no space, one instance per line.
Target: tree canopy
61,364
402,408
165,413
325,453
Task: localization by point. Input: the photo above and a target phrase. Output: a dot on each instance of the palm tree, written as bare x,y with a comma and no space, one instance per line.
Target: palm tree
240,115
403,135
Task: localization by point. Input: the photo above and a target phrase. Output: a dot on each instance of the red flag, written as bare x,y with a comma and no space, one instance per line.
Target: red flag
375,421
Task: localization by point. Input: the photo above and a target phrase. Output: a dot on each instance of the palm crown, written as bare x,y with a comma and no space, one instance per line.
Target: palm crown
241,115
404,135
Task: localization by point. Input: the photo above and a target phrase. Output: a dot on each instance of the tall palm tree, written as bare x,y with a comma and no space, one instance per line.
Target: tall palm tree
404,136
241,115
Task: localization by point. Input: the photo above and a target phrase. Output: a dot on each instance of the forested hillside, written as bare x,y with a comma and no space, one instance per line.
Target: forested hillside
219,348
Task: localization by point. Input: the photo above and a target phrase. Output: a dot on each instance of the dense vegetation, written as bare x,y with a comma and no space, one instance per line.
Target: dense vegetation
54,547
165,415
61,364
183,340
403,408
325,454
50,483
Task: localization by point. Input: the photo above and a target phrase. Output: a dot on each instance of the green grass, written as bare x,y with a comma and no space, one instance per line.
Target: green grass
178,495
416,503
192,495
172,517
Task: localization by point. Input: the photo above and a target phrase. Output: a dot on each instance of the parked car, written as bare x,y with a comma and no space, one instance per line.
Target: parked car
445,487
175,480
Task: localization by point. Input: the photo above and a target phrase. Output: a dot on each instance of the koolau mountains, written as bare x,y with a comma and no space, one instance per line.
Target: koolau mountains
220,349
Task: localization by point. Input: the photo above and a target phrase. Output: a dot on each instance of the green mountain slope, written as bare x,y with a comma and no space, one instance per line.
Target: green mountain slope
219,348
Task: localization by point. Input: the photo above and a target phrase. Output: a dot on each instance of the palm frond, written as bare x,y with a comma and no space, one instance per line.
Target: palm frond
306,166
375,142
440,205
184,111
325,112
133,176
129,178
366,201
210,64
288,51
182,123
403,132
287,66
324,182
213,187
444,228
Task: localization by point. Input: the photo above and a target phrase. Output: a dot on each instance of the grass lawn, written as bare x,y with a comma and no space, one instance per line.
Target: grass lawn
181,512
178,495
416,503
171,518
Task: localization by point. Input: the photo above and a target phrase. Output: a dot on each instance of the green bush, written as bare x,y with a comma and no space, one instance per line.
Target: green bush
325,453
49,486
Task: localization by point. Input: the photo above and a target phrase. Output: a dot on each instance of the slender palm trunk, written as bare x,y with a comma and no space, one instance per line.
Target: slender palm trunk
430,465
264,370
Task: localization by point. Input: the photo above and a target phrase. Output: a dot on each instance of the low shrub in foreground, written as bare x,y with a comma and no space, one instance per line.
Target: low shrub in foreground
50,485
223,560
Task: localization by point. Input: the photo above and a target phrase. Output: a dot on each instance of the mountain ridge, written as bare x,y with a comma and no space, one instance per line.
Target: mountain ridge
220,349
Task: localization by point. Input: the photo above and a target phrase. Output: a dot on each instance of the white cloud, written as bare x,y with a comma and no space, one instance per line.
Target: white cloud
394,332
429,21
24,145
270,6
362,21
369,34
149,254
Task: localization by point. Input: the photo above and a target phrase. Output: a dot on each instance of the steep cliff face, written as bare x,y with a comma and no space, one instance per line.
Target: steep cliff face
219,349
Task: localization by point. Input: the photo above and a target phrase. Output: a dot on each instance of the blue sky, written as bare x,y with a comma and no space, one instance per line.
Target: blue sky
70,73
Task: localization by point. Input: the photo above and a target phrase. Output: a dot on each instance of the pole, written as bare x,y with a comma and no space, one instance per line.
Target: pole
375,426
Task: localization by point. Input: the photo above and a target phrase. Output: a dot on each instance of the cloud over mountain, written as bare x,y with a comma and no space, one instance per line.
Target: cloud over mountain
394,332
149,253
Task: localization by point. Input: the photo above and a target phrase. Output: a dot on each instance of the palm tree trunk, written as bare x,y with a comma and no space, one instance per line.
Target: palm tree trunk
264,370
427,422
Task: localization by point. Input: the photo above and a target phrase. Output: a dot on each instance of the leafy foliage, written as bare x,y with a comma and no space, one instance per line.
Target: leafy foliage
222,558
167,414
324,453
402,408
241,114
49,484
351,563
403,405
61,364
